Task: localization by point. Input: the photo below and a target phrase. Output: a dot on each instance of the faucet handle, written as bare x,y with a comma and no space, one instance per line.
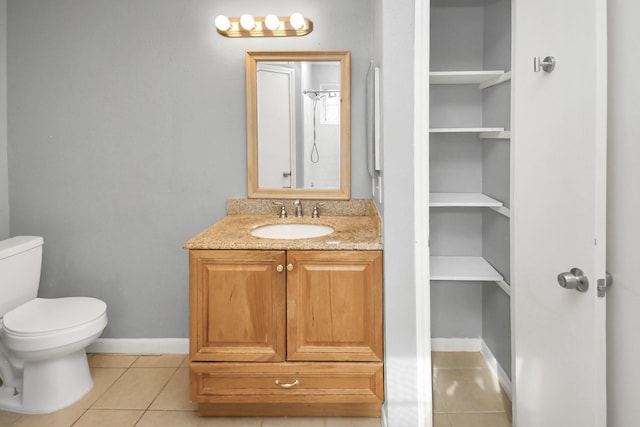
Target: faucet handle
316,213
283,211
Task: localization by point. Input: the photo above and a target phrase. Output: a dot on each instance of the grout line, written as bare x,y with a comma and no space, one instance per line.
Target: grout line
175,371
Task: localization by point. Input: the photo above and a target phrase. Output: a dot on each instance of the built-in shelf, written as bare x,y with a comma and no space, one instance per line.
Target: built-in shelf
494,131
463,268
467,200
484,79
506,134
438,200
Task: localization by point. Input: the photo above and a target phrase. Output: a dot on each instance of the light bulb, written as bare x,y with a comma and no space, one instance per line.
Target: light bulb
222,23
247,22
272,22
297,21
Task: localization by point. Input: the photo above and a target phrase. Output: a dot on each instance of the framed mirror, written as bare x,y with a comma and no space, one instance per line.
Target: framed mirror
298,124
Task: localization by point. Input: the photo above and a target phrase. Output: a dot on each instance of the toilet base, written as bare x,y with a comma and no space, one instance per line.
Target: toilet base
49,385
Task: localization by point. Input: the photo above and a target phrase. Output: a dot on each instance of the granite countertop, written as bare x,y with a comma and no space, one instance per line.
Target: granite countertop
357,229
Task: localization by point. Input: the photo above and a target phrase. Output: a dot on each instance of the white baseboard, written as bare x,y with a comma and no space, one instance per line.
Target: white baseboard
140,345
474,344
503,378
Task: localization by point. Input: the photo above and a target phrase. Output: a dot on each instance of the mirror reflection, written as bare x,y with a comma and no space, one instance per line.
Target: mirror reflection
298,124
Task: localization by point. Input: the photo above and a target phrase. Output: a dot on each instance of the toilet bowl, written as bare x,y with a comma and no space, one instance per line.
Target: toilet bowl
43,364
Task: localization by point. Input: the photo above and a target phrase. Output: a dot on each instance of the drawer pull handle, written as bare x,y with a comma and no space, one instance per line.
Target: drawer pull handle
287,385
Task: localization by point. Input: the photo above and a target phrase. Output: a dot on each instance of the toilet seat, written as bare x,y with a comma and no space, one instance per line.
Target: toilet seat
43,323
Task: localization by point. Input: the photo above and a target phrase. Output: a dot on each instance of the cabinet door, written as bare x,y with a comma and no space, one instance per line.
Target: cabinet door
334,305
237,305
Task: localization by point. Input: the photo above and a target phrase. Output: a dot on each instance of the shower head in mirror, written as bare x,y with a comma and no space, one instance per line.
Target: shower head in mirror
315,95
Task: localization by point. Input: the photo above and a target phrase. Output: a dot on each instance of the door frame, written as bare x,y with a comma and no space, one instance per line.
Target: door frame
421,211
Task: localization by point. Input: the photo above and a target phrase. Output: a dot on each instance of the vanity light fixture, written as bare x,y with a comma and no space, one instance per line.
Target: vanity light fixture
267,26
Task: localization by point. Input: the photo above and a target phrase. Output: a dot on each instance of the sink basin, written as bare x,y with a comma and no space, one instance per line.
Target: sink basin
292,231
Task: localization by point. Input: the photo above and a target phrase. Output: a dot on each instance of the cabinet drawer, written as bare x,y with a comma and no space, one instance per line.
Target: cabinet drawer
286,382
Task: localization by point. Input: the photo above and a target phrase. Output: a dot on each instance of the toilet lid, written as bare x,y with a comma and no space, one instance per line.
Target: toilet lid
41,315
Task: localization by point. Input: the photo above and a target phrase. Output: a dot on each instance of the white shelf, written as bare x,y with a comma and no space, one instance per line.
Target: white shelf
496,135
482,78
463,268
466,130
439,200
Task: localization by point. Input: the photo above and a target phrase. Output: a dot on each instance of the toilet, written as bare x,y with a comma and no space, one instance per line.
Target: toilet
43,363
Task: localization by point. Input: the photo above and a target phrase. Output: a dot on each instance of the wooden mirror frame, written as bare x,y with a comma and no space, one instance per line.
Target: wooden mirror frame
254,191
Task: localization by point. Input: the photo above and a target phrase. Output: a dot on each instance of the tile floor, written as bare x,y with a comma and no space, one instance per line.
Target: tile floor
466,393
143,391
151,391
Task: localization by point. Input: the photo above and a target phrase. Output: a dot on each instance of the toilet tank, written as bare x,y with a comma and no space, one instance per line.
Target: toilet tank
20,264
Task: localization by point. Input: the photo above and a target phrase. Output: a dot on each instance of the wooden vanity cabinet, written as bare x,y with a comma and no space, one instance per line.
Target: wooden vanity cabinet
278,333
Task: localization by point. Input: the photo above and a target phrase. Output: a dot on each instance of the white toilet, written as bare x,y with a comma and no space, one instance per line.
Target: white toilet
43,364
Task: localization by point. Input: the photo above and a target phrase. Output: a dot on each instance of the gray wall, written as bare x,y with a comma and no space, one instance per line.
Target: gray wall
127,134
623,227
4,173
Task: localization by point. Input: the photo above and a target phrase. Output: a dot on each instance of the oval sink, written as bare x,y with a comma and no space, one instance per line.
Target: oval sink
292,231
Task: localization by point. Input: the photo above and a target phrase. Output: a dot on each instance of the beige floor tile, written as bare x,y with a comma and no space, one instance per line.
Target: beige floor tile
135,389
352,422
480,419
103,378
159,361
175,395
192,419
109,418
441,420
438,403
63,418
8,418
457,360
185,362
294,422
112,360
468,390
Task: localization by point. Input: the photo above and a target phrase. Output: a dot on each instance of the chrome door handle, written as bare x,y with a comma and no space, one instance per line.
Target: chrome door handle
575,279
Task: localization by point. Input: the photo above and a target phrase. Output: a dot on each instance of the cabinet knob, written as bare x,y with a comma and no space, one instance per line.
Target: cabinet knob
280,268
289,267
287,385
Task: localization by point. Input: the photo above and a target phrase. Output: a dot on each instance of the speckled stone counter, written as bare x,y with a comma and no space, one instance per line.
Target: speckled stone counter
356,224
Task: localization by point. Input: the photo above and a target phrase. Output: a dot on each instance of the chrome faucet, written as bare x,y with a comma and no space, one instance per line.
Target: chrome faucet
283,211
316,213
298,206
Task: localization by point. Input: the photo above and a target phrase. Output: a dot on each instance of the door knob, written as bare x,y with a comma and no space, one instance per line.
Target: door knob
547,64
575,279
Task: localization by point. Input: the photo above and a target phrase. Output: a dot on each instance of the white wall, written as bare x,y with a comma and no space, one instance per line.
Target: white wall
395,25
623,215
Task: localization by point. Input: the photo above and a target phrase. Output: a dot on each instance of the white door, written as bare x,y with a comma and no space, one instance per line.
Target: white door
276,121
558,211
